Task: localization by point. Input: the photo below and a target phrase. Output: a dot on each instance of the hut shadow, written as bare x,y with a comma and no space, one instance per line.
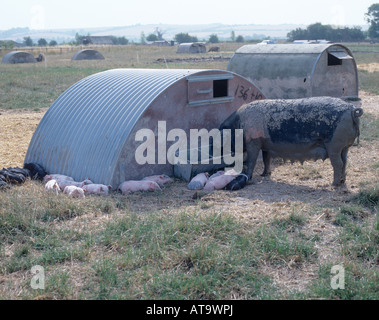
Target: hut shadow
270,191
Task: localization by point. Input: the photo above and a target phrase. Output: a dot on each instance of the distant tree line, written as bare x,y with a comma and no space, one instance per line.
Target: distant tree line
372,17
28,41
319,31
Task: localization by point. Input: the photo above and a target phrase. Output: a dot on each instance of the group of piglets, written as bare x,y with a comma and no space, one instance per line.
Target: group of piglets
58,182
228,180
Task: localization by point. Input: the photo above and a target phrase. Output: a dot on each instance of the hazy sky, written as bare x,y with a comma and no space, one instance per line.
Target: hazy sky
52,14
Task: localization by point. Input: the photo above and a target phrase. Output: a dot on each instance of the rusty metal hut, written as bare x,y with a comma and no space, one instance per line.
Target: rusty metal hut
18,57
88,54
90,130
298,70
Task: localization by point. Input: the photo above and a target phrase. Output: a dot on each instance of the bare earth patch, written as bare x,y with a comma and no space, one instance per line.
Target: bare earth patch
370,67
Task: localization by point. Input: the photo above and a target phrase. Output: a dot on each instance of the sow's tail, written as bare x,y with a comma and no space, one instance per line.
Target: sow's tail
356,113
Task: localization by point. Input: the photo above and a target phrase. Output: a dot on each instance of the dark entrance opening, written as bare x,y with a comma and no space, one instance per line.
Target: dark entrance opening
220,88
333,61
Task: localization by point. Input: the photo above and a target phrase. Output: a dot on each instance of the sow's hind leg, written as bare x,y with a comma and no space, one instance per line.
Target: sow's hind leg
344,160
338,161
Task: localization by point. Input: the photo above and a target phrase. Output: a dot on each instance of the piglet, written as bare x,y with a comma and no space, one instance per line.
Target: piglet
94,188
56,177
220,181
160,179
218,173
238,183
64,183
134,186
198,182
74,192
52,185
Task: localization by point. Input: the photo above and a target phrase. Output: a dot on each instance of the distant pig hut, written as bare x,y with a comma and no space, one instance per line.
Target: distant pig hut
298,70
193,47
90,131
88,54
18,57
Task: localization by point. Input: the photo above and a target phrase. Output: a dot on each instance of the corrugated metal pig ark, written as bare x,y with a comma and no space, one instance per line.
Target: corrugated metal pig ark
90,130
18,57
290,71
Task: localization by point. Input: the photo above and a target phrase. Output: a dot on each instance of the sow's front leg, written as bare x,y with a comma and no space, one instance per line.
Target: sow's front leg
252,149
267,163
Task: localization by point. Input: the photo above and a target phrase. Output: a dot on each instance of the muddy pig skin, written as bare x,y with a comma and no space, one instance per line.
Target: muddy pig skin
94,188
218,182
52,185
74,192
160,179
297,129
131,186
238,183
198,182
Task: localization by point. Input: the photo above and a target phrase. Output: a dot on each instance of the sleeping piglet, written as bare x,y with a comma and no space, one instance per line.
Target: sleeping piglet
198,182
74,192
218,182
52,185
160,179
57,177
94,188
134,186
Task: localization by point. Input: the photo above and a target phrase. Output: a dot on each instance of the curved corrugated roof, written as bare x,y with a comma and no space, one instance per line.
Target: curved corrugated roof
287,48
91,121
18,57
88,54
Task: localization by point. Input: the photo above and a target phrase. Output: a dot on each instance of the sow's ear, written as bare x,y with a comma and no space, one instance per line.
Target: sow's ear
109,187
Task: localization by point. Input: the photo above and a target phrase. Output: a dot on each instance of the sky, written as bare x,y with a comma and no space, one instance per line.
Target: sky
68,14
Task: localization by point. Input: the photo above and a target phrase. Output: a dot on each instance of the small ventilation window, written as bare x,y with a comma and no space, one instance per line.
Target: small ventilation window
220,88
333,61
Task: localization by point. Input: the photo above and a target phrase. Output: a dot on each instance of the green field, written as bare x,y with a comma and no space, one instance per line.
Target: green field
167,245
34,86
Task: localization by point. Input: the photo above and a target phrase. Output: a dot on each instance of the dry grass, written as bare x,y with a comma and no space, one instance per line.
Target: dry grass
370,67
299,197
292,189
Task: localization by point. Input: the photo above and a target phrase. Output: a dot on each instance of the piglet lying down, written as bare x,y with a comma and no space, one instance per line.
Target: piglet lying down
160,179
141,185
52,185
94,188
73,191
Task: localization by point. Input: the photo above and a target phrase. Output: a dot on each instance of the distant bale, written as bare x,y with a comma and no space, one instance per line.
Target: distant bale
18,57
88,54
